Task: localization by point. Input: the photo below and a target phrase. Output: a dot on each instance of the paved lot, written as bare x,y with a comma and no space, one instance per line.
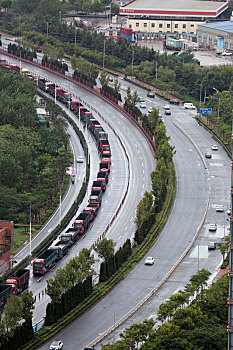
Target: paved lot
206,57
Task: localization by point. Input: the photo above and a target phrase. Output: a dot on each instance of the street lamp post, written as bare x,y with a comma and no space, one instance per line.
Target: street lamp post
75,35
20,63
104,54
30,229
60,204
47,30
30,232
218,102
132,61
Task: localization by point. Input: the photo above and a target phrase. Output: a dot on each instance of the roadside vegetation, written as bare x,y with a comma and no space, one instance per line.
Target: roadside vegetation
34,153
180,76
194,318
39,155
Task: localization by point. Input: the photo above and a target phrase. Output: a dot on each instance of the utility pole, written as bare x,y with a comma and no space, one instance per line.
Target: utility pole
104,55
132,61
47,30
75,35
230,272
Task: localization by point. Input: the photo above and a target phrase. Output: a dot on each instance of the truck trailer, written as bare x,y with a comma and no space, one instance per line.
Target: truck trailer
81,222
44,261
19,281
5,292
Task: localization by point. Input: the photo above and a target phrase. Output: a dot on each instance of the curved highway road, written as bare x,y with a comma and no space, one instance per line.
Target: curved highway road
141,164
193,185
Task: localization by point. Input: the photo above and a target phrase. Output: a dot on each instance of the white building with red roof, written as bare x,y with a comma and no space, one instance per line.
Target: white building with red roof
171,16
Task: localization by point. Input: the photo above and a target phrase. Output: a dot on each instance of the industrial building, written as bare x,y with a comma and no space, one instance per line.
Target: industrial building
169,16
216,36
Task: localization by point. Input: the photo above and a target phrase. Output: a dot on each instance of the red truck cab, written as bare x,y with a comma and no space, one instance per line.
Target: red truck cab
92,211
106,154
38,267
107,161
78,225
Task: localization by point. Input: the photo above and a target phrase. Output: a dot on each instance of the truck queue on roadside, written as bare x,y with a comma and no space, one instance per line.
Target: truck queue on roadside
61,245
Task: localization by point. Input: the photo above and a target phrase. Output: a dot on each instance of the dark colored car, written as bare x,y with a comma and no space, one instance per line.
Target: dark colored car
208,155
167,111
212,246
174,101
151,95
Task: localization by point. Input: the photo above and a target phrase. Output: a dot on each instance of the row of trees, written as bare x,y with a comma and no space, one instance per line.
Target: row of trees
183,322
87,6
73,283
112,261
16,324
33,151
84,69
167,72
153,201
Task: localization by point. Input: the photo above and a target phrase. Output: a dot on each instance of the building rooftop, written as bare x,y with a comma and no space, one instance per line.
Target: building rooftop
226,26
187,8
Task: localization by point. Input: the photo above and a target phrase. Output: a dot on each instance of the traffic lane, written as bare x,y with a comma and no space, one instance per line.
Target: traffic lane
199,255
141,168
58,78
69,197
106,212
168,248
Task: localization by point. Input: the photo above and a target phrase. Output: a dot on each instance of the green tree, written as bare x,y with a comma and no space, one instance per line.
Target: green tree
104,79
28,302
223,246
13,313
105,248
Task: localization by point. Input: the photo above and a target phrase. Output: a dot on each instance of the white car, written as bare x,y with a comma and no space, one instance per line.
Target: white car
143,104
229,211
56,345
214,147
80,159
212,227
150,109
149,261
225,53
189,105
220,208
166,107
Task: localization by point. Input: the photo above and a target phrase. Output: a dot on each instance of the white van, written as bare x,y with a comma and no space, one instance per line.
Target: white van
189,106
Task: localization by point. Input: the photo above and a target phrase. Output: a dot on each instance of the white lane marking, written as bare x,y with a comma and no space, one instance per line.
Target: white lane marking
119,238
131,218
126,228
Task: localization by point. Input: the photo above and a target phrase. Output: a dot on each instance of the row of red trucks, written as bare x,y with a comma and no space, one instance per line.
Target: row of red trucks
15,284
61,245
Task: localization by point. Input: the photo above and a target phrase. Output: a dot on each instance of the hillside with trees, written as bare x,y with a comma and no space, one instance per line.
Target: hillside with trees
33,151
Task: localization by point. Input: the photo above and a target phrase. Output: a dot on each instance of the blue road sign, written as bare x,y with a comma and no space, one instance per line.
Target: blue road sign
205,110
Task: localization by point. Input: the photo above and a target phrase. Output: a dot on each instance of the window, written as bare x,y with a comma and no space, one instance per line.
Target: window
192,25
145,25
176,25
137,24
168,25
160,25
152,25
184,25
130,26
